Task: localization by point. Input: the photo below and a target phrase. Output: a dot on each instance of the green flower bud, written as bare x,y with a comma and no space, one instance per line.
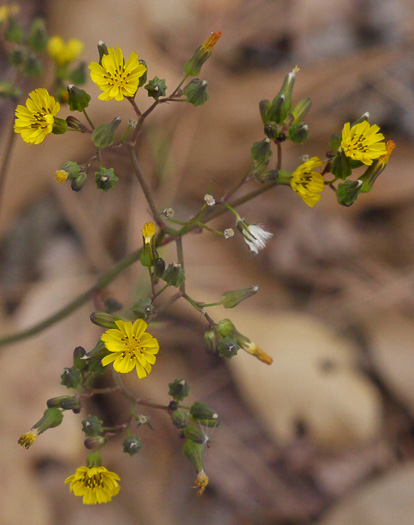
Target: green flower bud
94,441
272,130
228,347
14,31
196,92
17,56
341,166
334,142
180,419
102,50
92,426
72,168
195,453
105,320
348,191
210,341
235,297
159,268
277,111
156,88
37,39
282,103
260,153
132,445
71,378
94,460
299,133
225,328
193,66
59,126
79,181
52,417
78,75
174,275
99,351
195,434
301,109
33,67
105,179
264,106
79,361
65,402
201,412
268,176
104,135
142,309
143,78
78,98
74,123
149,252
179,389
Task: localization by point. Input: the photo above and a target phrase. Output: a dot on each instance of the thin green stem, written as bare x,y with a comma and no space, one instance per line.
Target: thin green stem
134,105
205,227
6,160
180,257
279,155
129,395
88,119
157,294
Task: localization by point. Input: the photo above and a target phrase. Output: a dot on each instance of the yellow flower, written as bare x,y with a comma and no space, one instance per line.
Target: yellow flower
148,232
130,346
307,183
211,41
61,175
6,11
95,484
64,53
116,78
27,440
35,120
363,142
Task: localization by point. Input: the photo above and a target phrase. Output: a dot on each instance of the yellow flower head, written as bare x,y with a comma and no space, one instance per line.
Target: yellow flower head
95,484
211,41
61,175
148,232
116,78
64,52
6,11
27,440
253,349
307,183
363,142
35,120
130,346
201,482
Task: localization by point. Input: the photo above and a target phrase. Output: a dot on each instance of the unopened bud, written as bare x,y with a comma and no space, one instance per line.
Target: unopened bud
74,123
79,181
174,275
301,109
227,347
142,309
225,328
71,378
179,389
180,419
235,297
210,341
260,153
104,135
159,267
264,106
143,78
105,320
102,50
65,402
196,92
79,360
78,98
272,130
348,191
94,441
195,434
92,426
334,142
201,412
299,133
203,52
341,166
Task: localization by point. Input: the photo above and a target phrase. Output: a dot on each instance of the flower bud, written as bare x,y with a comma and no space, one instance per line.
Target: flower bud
143,78
235,297
142,309
277,111
210,341
334,142
94,441
179,389
196,92
105,320
59,126
268,176
227,347
78,98
225,328
174,275
195,434
79,361
299,133
72,168
37,39
92,426
281,104
65,402
348,191
375,169
104,135
79,181
201,412
102,50
52,417
301,109
74,123
132,445
260,153
156,88
341,166
264,106
105,179
159,267
195,453
61,175
272,130
193,66
149,252
71,378
180,419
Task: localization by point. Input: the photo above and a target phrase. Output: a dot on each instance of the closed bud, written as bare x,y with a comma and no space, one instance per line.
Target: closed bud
272,130
278,111
268,176
201,412
210,341
156,88
282,103
149,252
33,66
71,378
78,98
196,92
301,109
102,50
179,389
195,452
17,56
334,142
132,445
264,106
60,126
299,133
72,168
65,402
235,297
143,78
142,309
105,320
79,181
52,417
341,166
37,36
92,426
174,275
79,361
228,347
260,153
225,328
180,419
94,441
195,434
159,267
348,191
193,66
104,135
74,123
105,179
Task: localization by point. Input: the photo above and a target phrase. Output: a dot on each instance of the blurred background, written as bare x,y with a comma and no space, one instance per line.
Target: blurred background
326,434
